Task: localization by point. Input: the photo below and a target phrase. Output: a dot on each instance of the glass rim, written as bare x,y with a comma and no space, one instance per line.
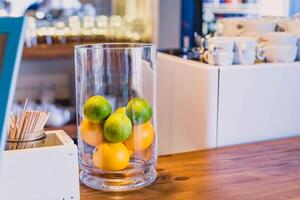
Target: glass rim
112,45
40,135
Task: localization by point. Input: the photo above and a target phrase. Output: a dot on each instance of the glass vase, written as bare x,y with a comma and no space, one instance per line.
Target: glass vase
116,115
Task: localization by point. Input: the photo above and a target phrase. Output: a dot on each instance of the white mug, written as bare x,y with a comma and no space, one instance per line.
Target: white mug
280,53
249,57
230,26
246,51
282,25
289,25
244,44
219,58
217,44
279,39
244,58
258,26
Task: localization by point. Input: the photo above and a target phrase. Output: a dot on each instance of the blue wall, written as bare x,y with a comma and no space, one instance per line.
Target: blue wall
187,19
294,7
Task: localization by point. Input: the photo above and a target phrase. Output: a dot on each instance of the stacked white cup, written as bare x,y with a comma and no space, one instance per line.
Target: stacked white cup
220,51
231,26
245,27
280,46
289,25
246,51
292,26
256,27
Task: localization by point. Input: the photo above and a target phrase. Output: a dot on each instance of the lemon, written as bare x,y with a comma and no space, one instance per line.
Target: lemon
97,108
91,132
121,110
141,138
111,156
138,110
117,128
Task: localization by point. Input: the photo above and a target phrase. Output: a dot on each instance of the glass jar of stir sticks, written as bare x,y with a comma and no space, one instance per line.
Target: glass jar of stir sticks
33,140
26,129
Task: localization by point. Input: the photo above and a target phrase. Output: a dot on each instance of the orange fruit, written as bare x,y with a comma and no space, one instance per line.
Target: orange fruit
111,156
141,138
91,132
121,110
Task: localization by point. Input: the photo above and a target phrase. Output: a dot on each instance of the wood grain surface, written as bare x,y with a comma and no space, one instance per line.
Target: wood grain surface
266,170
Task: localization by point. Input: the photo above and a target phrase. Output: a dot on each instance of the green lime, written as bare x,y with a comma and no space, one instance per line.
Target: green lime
117,128
97,108
139,110
121,110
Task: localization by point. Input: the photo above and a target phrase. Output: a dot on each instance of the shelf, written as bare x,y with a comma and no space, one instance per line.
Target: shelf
56,51
230,8
48,52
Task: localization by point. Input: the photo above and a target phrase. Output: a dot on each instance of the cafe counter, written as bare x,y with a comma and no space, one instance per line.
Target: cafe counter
265,170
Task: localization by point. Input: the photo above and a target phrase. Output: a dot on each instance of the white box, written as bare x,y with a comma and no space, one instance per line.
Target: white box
44,173
260,102
202,106
187,95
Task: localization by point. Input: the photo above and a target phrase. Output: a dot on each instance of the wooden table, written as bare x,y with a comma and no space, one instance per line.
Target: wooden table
267,170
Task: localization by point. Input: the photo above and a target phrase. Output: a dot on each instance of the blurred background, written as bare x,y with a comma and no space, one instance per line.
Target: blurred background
55,26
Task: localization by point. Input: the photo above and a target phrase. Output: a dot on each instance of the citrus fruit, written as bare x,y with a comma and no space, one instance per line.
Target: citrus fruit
138,110
121,110
141,138
117,128
97,108
111,156
91,132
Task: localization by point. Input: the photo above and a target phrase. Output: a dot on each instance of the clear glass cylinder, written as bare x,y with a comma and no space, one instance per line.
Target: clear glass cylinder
116,115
